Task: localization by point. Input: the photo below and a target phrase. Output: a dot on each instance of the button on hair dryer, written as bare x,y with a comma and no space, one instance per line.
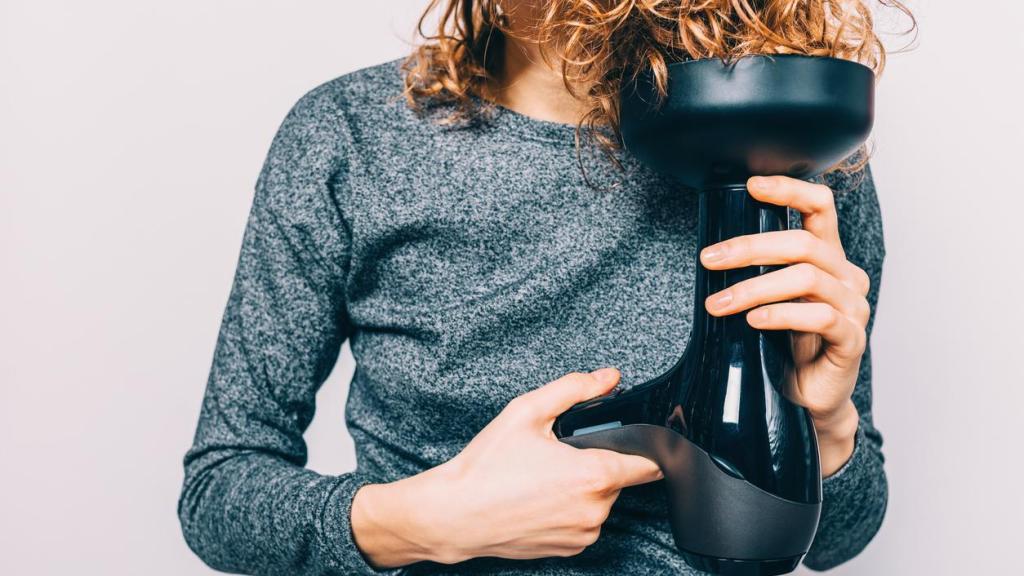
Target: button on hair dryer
740,460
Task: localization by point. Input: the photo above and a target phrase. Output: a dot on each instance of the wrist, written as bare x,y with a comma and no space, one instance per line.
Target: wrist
837,435
393,523
377,529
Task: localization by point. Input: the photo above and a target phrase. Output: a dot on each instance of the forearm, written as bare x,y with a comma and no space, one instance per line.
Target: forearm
854,485
255,513
854,501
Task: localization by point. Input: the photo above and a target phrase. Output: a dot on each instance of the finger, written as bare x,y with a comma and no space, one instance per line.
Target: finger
797,281
548,401
844,336
784,247
815,202
628,470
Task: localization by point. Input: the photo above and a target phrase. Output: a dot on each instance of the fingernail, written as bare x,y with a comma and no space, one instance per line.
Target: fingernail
605,375
713,253
720,300
762,182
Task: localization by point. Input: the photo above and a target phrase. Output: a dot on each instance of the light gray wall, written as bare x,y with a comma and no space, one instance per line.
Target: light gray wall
131,134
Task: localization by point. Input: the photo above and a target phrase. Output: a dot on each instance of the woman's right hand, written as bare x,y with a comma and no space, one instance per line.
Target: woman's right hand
515,491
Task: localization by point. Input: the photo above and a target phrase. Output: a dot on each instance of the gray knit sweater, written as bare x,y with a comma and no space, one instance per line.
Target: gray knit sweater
466,265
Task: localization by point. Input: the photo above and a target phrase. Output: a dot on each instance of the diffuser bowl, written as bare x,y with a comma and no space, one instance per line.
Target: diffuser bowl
760,115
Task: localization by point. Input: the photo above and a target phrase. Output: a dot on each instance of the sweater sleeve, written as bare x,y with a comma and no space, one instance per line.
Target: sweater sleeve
248,504
855,497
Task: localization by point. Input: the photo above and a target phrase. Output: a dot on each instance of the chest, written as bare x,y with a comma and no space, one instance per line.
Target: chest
462,259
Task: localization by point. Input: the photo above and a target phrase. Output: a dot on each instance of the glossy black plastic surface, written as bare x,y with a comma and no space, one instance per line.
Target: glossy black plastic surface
721,124
710,510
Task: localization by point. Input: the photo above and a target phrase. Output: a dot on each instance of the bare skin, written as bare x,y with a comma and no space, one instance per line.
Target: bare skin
514,492
528,84
542,498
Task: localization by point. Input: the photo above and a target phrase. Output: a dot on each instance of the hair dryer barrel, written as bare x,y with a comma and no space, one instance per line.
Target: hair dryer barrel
740,460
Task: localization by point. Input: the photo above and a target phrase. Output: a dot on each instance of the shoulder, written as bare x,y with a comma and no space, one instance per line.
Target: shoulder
366,89
321,131
301,184
331,107
347,105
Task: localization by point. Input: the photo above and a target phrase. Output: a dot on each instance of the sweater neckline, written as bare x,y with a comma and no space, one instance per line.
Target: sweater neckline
506,120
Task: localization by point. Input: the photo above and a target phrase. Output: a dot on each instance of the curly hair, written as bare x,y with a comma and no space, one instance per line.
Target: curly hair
600,44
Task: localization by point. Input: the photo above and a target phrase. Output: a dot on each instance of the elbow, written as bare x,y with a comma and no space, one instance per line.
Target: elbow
199,535
189,500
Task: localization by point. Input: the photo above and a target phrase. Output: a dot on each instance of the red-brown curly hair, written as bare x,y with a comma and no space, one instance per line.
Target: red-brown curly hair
599,44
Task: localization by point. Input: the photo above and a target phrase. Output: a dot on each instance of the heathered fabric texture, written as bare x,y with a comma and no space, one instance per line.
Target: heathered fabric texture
466,265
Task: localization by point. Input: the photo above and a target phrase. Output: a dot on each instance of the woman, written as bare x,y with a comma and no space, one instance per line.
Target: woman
481,238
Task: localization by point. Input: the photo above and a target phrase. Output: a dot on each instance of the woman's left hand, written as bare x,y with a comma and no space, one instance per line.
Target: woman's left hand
821,298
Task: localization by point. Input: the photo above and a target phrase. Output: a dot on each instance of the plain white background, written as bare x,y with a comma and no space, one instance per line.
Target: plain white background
131,134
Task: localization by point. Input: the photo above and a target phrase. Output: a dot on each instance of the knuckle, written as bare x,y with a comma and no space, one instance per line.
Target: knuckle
580,378
519,403
864,280
807,244
807,276
862,341
590,536
824,200
863,311
514,406
566,551
833,318
575,377
524,406
593,517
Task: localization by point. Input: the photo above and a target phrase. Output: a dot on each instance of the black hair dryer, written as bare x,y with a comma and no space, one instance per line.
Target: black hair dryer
740,460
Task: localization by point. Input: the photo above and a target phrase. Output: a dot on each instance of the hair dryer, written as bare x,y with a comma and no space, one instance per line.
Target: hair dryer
740,460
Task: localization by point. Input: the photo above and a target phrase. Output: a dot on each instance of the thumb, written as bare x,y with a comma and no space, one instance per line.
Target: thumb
555,397
630,470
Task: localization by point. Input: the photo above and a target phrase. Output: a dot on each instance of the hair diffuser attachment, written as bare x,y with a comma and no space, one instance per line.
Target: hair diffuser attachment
740,460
